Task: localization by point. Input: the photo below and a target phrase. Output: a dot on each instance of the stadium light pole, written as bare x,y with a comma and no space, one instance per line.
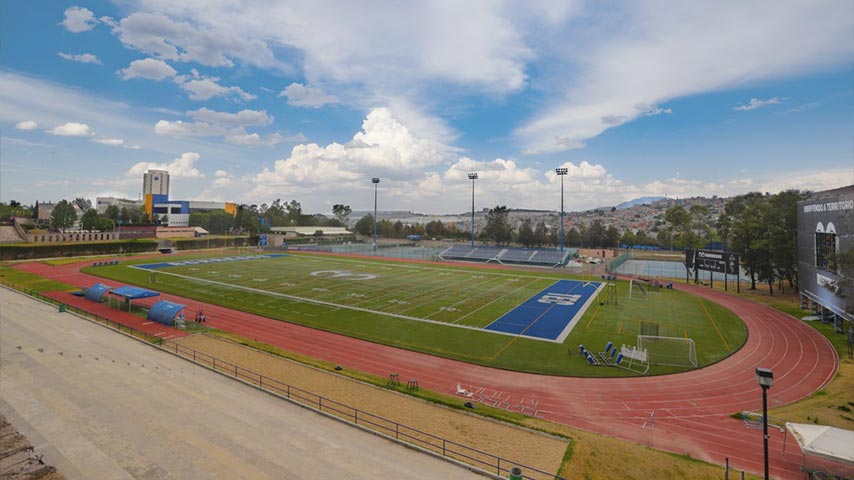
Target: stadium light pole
765,379
375,181
472,177
561,172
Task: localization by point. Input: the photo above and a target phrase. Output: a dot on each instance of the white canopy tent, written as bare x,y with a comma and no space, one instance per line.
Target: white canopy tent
829,443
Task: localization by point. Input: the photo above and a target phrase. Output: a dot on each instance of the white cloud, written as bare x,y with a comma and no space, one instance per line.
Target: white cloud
755,103
303,96
80,57
181,167
26,125
158,35
242,118
79,19
663,51
192,129
207,88
71,129
222,179
150,68
113,142
383,148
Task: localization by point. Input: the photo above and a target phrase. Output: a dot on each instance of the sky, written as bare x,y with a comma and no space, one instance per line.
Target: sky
250,101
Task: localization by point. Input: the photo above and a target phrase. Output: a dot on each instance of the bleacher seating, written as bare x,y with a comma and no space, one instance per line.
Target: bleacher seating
507,255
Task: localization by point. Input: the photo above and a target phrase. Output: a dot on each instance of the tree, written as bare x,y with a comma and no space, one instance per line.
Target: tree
84,204
89,220
783,231
200,219
498,229
612,236
293,212
743,225
365,225
221,222
112,212
63,216
342,213
525,235
573,237
541,234
596,234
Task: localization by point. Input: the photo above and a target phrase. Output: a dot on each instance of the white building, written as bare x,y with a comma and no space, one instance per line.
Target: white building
155,182
101,203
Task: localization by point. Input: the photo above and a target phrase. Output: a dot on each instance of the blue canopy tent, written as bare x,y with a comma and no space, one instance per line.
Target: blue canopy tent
132,293
95,292
164,312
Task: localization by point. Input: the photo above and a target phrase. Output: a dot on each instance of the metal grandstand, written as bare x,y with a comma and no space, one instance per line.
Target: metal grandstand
508,255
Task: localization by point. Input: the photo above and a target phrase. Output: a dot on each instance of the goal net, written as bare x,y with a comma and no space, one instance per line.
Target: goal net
637,291
671,351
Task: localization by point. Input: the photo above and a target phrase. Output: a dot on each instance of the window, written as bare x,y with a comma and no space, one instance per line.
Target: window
825,248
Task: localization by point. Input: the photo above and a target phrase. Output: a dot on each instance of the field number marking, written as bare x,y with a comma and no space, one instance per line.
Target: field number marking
344,274
559,298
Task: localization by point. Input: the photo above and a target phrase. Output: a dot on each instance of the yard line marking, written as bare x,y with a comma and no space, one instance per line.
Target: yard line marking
335,306
713,323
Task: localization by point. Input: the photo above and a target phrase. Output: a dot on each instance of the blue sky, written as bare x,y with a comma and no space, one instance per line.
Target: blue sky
250,101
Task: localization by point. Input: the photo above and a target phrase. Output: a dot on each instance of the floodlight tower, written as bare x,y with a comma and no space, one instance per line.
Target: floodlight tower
375,181
472,177
561,172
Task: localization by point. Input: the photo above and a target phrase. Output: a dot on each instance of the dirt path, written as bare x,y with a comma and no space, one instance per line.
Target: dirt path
537,450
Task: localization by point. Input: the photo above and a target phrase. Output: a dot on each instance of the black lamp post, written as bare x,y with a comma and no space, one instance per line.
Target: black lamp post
375,181
765,379
472,177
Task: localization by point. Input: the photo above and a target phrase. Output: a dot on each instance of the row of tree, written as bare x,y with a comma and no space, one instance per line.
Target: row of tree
763,229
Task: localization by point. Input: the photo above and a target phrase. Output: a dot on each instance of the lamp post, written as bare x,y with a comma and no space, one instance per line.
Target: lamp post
472,177
561,172
765,379
375,181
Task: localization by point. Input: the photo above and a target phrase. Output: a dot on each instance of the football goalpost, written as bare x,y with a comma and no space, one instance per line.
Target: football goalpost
637,291
670,351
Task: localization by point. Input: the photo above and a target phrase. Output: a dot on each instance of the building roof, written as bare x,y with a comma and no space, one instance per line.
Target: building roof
311,230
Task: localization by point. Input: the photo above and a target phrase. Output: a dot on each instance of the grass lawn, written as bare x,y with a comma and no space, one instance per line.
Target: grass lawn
421,306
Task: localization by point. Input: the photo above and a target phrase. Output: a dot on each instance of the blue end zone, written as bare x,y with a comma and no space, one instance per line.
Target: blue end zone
547,314
202,261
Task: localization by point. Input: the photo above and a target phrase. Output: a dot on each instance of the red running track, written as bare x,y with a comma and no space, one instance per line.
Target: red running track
691,409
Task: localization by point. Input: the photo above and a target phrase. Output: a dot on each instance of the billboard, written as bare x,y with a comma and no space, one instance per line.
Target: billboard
826,229
712,261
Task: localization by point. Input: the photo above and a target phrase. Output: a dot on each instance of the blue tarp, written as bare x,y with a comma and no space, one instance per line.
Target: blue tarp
95,292
164,312
133,293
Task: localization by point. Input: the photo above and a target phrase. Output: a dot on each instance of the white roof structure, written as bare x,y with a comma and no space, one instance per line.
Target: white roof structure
308,231
823,441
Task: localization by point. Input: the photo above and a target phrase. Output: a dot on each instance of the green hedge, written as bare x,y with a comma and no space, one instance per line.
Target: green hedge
212,242
52,250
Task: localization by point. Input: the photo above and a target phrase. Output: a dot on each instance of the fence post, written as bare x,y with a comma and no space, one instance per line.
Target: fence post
443,447
214,363
396,430
355,416
726,471
194,355
320,403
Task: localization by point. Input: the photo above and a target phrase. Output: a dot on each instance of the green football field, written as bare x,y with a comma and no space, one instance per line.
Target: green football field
422,306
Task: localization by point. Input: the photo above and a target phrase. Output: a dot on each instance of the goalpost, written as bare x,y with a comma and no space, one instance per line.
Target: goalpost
671,351
637,291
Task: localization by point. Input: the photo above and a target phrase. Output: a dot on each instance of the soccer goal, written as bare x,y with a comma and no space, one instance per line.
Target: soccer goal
671,351
637,291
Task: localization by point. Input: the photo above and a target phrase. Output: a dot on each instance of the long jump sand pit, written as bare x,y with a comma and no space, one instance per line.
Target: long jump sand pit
543,452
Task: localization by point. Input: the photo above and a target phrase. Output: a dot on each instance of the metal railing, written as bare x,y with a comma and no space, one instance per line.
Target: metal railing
485,461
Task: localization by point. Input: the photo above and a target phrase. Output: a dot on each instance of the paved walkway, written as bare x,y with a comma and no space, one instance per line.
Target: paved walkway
102,406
